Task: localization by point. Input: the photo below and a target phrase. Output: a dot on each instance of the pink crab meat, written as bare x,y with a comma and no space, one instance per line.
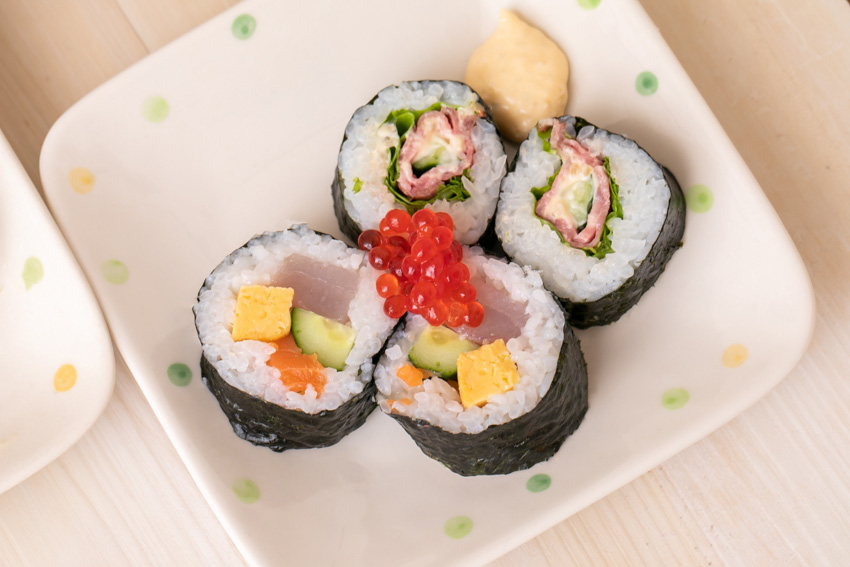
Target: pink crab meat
321,288
575,159
450,128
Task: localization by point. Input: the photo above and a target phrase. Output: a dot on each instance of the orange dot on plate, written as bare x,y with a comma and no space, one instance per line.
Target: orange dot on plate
81,180
734,356
65,378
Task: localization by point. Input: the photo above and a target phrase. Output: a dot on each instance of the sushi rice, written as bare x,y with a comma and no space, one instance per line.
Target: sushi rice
569,272
364,157
242,364
535,353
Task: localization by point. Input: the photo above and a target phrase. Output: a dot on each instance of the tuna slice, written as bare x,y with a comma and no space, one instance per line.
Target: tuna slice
504,318
439,147
580,198
321,288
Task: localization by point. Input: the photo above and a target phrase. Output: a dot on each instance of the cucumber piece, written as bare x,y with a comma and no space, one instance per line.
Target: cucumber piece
329,340
437,348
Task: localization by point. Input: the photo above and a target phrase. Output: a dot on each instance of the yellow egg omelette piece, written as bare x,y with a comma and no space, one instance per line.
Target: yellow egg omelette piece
262,313
484,372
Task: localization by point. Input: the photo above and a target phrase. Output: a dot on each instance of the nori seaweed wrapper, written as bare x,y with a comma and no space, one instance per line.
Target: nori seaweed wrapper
523,442
270,425
611,307
347,225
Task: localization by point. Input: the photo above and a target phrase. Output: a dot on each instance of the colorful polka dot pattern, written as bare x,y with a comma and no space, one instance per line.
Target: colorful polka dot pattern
155,109
539,483
246,490
81,180
65,378
675,398
458,527
179,374
115,272
589,4
734,356
243,26
646,83
699,198
33,271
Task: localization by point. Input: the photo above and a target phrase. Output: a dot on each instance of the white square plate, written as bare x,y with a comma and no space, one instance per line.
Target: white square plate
233,130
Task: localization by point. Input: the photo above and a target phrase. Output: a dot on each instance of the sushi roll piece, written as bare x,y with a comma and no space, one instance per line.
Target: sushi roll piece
495,398
426,144
289,325
594,213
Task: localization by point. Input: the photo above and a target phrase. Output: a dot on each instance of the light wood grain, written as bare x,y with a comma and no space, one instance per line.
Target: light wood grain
51,54
770,488
158,22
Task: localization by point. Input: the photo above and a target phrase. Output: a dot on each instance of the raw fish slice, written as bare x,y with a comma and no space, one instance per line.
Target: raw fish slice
321,288
504,318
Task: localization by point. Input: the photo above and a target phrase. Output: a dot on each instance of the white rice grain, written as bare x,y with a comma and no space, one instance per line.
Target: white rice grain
242,364
535,352
567,271
364,156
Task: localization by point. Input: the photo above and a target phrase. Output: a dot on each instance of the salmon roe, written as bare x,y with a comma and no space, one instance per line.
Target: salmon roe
425,270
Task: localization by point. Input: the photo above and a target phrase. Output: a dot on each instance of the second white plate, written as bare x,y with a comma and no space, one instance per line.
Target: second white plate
56,363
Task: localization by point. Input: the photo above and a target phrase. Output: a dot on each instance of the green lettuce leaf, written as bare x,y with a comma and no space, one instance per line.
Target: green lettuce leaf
451,190
604,245
404,119
540,191
546,136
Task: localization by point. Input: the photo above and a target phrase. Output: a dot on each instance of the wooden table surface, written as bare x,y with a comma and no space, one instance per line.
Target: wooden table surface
770,488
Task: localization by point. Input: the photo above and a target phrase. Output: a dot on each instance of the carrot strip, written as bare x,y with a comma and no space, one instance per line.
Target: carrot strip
410,375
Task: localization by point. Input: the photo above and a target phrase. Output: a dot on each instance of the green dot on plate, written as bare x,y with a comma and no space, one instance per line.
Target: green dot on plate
246,490
458,527
538,483
589,4
115,272
674,398
33,271
699,198
243,26
646,83
179,374
155,108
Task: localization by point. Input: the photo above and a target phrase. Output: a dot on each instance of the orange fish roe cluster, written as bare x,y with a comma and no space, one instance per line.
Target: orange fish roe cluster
425,273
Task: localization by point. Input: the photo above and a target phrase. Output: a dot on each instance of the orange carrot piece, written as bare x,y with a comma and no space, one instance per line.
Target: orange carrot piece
410,375
405,401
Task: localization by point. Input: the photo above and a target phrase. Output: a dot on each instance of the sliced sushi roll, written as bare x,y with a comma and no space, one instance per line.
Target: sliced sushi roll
495,398
289,325
594,213
427,144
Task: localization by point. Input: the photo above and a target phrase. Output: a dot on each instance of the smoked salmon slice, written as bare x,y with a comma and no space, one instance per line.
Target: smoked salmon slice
297,370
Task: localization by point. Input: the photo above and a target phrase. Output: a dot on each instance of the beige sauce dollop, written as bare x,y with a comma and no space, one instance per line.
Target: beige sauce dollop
521,74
